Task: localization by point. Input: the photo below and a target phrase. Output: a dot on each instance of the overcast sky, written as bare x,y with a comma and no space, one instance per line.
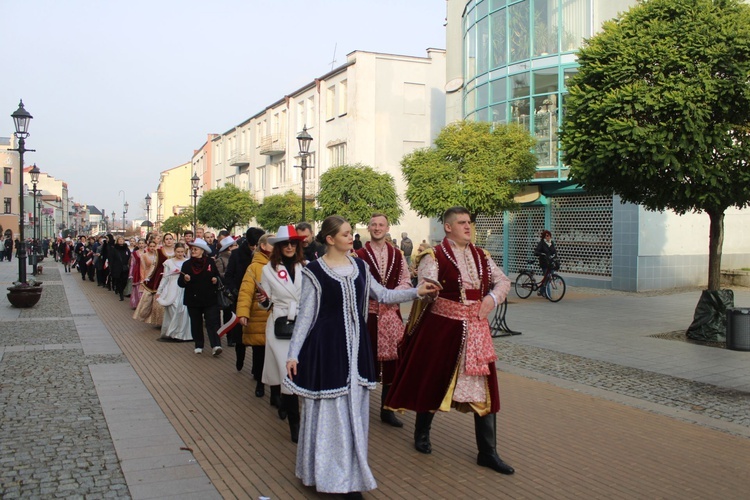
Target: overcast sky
123,89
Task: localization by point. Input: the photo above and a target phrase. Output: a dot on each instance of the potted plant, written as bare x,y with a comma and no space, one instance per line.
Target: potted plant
25,294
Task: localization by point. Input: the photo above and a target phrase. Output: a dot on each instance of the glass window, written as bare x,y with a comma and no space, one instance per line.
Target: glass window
483,43
499,90
520,85
483,115
518,24
499,113
545,81
7,206
482,8
575,24
343,98
545,129
483,96
567,73
470,103
519,112
7,175
470,43
499,39
545,27
496,4
331,102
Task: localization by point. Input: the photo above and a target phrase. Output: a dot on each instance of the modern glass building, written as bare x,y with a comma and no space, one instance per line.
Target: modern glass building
516,57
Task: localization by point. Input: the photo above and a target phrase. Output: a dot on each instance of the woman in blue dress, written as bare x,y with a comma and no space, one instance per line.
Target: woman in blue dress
330,364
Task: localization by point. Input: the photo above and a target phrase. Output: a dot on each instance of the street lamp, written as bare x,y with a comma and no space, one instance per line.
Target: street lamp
21,119
34,173
148,210
124,211
304,139
195,180
114,220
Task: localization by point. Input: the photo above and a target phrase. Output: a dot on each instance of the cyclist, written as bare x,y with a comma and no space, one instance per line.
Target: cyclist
546,252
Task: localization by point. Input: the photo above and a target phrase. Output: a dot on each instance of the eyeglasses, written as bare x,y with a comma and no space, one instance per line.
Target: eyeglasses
289,243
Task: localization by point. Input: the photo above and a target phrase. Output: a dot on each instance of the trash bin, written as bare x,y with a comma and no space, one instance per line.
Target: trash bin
738,328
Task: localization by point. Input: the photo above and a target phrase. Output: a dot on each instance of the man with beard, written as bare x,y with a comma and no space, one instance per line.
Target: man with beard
389,268
311,248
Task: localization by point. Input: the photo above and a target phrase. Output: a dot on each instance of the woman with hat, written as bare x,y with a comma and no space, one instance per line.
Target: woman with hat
281,280
226,246
199,277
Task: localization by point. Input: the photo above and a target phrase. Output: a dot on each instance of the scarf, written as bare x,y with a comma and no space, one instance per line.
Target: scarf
479,348
288,262
199,265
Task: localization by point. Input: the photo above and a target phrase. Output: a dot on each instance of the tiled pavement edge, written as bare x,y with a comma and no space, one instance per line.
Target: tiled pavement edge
568,435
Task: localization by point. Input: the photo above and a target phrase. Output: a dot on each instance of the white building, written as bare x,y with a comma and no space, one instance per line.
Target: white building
372,110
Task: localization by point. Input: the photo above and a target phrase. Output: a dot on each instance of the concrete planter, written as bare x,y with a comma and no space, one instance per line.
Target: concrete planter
735,277
24,296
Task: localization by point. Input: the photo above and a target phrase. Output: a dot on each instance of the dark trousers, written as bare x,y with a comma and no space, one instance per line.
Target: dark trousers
120,282
211,315
259,358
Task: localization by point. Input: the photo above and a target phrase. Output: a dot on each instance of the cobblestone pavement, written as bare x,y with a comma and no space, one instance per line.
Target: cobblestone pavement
54,440
703,399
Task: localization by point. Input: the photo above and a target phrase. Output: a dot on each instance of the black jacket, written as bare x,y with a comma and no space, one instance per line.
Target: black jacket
199,291
119,258
239,261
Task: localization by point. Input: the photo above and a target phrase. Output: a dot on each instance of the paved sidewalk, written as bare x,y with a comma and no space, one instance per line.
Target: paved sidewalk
92,406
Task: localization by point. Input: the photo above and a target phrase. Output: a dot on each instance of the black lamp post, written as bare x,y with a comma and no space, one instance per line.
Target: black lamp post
194,180
124,211
114,220
304,139
148,211
34,173
21,119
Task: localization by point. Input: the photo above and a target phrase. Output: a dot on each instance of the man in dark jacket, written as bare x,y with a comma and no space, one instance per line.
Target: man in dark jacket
239,261
311,248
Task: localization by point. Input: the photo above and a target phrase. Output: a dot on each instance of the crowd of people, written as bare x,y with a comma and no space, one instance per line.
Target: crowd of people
324,326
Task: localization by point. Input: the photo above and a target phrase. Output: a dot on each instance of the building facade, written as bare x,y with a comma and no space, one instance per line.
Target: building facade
173,195
373,109
508,62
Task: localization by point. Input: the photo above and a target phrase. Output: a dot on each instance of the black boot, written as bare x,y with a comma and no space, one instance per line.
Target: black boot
422,432
485,429
260,390
239,351
290,402
388,416
276,400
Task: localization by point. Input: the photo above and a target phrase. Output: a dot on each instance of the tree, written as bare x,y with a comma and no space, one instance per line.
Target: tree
279,210
177,224
355,192
477,165
658,112
226,207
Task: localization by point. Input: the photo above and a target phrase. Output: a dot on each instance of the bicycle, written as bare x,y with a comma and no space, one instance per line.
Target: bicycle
552,287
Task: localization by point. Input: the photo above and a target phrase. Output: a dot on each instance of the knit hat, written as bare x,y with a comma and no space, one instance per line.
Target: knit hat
253,235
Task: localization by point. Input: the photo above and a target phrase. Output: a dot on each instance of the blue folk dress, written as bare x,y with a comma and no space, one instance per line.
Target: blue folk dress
335,373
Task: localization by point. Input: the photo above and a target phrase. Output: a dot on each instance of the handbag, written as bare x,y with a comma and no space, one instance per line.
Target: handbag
225,298
283,328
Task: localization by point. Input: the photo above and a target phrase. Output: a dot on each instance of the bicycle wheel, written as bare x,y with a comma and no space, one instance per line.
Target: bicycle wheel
524,285
555,288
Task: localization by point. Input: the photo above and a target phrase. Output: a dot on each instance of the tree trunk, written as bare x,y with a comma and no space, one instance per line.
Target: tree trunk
715,244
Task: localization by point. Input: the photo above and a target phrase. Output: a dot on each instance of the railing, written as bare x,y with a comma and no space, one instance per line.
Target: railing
239,159
272,144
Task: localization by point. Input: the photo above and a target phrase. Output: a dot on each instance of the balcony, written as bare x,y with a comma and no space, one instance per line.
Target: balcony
239,159
273,144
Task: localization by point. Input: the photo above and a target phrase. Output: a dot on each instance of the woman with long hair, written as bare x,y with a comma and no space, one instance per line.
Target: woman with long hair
146,311
330,363
134,275
176,324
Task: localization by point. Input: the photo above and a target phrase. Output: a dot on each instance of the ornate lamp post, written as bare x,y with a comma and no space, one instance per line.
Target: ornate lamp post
124,211
21,119
304,139
34,173
114,220
148,212
194,180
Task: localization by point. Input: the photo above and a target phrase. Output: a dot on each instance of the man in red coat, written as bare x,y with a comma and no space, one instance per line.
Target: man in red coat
384,323
447,358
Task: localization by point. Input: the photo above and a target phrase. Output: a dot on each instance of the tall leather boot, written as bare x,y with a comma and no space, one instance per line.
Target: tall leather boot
290,402
388,416
422,432
485,429
276,400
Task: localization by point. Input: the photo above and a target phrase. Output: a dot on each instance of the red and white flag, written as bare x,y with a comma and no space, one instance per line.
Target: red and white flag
227,327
